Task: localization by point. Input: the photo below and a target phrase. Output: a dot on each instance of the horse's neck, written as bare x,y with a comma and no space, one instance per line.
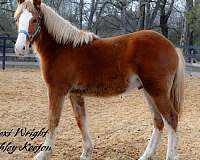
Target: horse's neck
47,49
45,43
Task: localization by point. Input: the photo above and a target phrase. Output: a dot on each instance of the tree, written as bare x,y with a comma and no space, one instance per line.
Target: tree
164,16
142,15
7,25
148,10
81,5
93,9
123,6
189,33
196,2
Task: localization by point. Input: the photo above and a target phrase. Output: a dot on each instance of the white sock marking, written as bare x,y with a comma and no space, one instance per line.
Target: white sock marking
172,142
154,141
50,142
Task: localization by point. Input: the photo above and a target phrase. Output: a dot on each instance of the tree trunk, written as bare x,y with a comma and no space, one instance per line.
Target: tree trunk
55,4
123,16
98,16
154,13
164,26
183,35
148,14
164,17
187,37
93,9
142,15
81,5
196,2
189,34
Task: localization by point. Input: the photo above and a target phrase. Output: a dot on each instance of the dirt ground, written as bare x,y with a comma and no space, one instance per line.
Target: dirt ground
120,126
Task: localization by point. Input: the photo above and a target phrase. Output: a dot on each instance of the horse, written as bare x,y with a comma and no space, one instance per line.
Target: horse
78,63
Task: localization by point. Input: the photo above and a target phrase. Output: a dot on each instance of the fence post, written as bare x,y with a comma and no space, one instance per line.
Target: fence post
4,54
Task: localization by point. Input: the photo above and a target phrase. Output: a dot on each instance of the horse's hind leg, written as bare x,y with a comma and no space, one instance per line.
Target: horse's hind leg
56,99
81,118
170,118
158,126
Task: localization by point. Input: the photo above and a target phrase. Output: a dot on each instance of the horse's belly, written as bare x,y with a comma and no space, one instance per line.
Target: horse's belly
108,88
100,90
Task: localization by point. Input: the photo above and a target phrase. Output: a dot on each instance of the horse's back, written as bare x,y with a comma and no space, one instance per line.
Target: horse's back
137,50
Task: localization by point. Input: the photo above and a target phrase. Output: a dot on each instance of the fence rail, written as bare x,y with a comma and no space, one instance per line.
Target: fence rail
8,58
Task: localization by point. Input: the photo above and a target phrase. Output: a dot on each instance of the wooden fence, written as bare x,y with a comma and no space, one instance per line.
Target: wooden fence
4,46
8,57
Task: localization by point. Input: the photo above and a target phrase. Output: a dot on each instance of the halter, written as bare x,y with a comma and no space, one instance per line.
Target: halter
31,37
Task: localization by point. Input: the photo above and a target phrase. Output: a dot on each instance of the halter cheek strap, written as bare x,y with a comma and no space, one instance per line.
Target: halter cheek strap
38,29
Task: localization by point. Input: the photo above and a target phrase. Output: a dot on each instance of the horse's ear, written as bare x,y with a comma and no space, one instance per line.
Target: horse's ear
20,1
36,3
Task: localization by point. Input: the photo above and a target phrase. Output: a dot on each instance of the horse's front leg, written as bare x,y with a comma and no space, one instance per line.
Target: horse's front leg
56,99
81,118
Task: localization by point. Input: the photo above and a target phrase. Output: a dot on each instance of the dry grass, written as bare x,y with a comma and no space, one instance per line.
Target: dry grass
120,126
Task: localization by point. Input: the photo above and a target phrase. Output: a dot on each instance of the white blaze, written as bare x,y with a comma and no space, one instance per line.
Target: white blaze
23,25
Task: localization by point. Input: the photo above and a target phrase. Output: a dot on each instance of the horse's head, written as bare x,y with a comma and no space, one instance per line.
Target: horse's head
28,21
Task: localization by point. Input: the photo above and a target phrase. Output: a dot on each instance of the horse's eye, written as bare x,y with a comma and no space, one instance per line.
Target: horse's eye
34,21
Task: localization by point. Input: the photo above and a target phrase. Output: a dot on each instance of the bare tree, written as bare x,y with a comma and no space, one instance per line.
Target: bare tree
55,4
142,15
123,7
7,10
148,11
93,9
81,6
196,2
151,13
148,14
164,16
188,38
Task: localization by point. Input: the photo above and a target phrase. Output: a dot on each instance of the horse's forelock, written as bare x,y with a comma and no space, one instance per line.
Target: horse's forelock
25,5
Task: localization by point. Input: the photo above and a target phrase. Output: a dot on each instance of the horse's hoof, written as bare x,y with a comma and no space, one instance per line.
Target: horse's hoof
175,158
145,158
86,154
85,158
42,156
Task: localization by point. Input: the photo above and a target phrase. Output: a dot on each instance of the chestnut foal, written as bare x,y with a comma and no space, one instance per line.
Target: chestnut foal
79,64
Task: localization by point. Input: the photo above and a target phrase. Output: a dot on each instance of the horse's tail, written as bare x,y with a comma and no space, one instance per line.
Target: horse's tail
177,91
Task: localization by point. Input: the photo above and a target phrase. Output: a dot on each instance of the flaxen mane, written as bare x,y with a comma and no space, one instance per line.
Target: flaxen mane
62,30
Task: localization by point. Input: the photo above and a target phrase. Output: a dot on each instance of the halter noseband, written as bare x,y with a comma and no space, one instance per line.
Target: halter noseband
31,37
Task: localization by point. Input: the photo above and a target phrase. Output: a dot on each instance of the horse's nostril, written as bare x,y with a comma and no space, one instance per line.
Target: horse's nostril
24,48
